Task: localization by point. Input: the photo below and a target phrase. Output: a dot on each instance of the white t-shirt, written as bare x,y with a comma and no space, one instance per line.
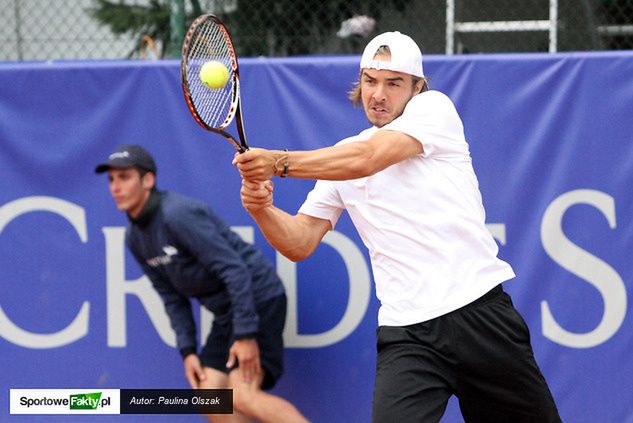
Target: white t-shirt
422,219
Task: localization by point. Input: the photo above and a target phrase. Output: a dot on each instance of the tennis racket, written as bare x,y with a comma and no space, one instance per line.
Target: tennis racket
214,109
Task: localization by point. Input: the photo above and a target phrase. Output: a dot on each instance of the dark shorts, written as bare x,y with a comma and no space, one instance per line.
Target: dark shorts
480,353
272,317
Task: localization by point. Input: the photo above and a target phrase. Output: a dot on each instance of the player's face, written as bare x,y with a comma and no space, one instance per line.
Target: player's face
129,190
385,94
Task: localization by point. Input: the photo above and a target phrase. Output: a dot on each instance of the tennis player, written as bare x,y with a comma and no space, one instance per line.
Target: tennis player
188,252
446,326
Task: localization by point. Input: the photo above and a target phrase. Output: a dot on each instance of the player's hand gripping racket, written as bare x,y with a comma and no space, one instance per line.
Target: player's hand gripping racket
214,109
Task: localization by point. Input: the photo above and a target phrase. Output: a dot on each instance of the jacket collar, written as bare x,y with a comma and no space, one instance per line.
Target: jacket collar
149,209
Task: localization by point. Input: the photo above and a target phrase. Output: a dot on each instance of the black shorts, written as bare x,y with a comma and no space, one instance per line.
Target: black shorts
480,353
272,317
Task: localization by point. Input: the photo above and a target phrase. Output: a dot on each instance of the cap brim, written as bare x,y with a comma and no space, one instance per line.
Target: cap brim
103,167
116,163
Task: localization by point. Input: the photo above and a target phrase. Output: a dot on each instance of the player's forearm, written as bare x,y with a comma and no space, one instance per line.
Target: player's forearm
350,161
284,232
342,162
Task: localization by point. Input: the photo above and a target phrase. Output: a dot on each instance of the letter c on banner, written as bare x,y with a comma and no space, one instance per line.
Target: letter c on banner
585,265
79,327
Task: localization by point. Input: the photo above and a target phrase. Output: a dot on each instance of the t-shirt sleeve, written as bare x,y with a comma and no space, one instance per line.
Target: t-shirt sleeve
323,202
432,119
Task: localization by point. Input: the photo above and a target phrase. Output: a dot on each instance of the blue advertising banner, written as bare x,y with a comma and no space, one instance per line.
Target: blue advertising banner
551,138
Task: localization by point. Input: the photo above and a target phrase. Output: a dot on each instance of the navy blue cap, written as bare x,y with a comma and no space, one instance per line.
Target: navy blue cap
128,156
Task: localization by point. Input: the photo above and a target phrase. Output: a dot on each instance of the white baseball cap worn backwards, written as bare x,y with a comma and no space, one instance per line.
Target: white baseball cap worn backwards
406,56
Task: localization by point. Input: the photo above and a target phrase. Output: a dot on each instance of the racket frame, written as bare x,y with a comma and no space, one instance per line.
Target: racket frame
235,111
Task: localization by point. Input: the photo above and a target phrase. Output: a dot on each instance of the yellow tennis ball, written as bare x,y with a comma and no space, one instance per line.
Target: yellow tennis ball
214,74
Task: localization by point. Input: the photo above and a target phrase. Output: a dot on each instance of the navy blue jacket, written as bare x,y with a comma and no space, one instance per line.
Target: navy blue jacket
188,252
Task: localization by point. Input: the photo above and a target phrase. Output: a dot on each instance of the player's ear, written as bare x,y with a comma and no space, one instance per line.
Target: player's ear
148,180
419,85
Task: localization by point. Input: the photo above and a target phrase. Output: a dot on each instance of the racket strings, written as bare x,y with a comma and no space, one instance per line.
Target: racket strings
215,107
